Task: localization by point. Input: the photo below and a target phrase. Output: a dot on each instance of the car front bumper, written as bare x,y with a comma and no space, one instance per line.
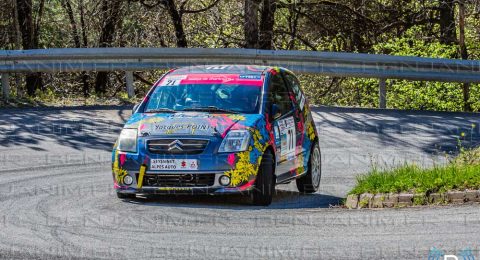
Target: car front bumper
182,189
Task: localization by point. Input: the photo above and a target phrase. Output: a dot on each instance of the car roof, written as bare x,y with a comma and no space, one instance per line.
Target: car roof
222,69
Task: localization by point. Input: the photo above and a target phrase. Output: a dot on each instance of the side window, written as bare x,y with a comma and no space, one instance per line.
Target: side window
279,94
295,86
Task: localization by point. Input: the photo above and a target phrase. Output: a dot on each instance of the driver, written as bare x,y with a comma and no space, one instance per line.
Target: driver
246,96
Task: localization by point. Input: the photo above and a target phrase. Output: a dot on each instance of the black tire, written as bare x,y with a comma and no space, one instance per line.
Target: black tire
305,184
264,187
125,195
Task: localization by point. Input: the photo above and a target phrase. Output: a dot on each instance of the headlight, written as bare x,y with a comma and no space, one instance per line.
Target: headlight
127,142
235,141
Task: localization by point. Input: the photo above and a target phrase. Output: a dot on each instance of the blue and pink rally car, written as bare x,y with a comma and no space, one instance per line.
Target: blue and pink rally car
219,130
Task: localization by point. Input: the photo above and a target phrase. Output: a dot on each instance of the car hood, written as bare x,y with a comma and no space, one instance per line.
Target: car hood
190,123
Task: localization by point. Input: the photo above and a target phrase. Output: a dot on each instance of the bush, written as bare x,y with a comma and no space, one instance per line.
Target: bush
461,173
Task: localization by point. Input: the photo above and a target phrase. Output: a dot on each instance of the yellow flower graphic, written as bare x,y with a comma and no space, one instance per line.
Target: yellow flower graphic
243,169
311,131
300,162
256,140
119,172
237,117
152,119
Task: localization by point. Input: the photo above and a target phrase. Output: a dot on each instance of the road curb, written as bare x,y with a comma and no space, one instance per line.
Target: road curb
408,199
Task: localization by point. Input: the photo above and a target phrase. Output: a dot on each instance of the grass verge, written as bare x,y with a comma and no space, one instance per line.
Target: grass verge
461,173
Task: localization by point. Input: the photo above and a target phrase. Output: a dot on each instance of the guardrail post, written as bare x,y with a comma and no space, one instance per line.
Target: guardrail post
5,85
382,93
129,79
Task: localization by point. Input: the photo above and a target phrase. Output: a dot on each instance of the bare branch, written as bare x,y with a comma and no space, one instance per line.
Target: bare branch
202,9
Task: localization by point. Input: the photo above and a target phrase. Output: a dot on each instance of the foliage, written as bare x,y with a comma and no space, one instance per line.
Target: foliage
410,28
461,173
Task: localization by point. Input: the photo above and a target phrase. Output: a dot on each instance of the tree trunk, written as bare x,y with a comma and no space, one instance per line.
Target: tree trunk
82,23
463,53
250,25
357,42
73,24
29,40
293,18
447,21
111,15
266,24
38,20
76,40
86,85
18,46
18,34
177,24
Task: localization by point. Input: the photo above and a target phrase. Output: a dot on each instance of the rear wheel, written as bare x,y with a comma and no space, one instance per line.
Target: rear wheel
310,182
264,184
125,195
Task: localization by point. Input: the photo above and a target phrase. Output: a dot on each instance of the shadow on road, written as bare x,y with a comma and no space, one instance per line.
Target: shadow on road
430,132
97,127
282,200
76,128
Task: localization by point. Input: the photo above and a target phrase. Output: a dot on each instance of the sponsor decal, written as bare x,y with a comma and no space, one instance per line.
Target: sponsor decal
174,164
277,133
179,127
192,79
302,102
249,76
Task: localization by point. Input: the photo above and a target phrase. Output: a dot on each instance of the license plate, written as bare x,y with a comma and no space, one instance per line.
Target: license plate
174,164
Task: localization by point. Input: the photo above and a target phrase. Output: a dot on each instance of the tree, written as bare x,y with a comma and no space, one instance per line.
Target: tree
447,21
176,14
177,23
259,36
250,26
30,31
76,38
111,13
266,24
463,52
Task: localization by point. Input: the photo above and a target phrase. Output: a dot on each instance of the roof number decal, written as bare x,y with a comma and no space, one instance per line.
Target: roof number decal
173,80
217,67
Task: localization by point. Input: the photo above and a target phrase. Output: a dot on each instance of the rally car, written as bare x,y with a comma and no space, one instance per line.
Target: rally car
219,130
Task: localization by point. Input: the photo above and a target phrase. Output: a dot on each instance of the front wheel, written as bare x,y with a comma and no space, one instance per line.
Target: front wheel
310,182
264,184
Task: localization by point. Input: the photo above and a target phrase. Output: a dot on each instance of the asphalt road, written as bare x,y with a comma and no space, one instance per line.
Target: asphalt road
56,197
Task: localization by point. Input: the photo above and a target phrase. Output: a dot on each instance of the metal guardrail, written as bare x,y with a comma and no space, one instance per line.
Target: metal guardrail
323,63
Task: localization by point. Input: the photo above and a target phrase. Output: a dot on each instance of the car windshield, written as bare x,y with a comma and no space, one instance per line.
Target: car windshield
173,95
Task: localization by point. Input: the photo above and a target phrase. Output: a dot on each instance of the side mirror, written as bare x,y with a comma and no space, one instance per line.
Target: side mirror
134,109
275,111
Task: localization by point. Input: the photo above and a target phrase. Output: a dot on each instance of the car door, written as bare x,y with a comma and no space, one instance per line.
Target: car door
282,112
299,103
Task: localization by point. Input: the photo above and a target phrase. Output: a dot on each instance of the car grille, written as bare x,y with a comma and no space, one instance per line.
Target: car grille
177,146
178,180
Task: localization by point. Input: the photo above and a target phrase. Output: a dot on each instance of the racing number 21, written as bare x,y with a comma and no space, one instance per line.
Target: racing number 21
172,82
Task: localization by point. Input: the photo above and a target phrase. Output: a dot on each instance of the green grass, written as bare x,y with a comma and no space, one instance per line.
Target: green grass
461,173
